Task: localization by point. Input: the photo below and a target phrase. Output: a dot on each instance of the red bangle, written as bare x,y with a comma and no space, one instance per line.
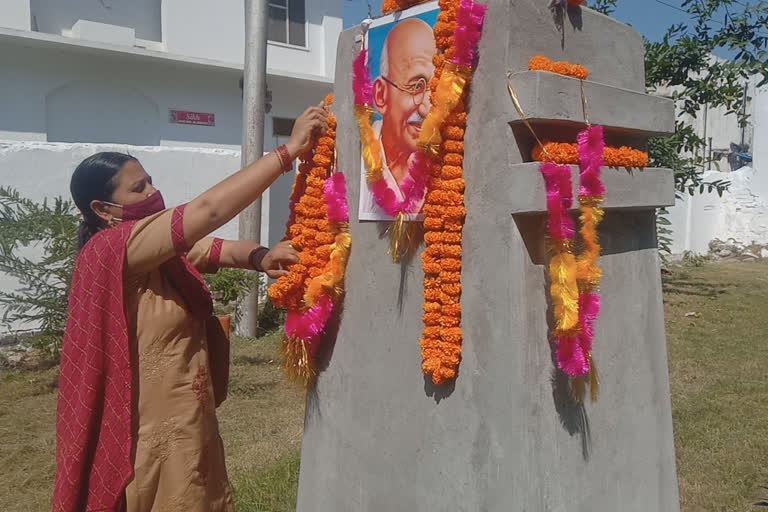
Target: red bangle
285,158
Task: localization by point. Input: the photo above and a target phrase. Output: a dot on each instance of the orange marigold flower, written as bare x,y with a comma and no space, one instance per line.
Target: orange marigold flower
452,335
449,321
541,63
445,28
325,238
453,159
433,223
431,307
453,146
450,277
456,212
431,318
432,294
448,299
453,289
456,184
451,264
453,132
451,310
453,224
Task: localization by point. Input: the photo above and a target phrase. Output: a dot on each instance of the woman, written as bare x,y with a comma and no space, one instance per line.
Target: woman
136,426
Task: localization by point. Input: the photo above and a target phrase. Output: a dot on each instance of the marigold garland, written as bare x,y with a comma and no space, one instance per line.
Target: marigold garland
388,6
568,153
319,230
541,63
457,33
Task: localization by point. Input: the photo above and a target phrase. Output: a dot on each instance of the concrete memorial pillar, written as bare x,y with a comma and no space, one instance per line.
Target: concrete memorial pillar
505,436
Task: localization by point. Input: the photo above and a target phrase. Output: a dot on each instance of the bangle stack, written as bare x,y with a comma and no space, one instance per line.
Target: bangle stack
286,162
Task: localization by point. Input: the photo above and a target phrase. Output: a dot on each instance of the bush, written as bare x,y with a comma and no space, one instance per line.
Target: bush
41,299
230,286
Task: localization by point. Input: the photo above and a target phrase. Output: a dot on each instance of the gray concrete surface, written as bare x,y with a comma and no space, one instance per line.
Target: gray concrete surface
380,437
554,98
628,188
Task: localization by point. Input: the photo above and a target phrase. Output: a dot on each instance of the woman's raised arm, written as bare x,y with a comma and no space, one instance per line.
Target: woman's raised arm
223,201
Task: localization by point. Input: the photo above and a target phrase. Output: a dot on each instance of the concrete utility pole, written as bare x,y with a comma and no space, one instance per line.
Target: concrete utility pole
254,92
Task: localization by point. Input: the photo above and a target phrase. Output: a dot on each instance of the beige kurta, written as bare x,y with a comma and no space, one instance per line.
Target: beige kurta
179,455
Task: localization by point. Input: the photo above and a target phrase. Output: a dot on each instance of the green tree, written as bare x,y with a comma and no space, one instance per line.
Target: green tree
41,298
683,60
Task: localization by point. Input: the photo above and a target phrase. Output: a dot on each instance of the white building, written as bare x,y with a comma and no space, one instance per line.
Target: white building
160,79
74,73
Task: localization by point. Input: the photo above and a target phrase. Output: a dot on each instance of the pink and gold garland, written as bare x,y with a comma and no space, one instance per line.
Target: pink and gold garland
319,229
413,187
574,280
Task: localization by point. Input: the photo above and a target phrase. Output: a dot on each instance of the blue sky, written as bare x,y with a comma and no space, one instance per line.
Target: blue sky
649,17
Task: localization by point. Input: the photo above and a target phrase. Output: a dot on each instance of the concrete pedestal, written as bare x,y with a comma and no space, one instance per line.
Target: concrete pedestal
506,437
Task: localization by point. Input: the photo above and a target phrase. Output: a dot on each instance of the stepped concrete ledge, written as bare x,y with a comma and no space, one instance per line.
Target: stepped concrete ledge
628,189
547,97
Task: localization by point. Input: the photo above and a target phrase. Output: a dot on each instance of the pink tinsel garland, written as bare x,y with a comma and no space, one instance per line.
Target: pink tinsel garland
309,326
361,80
413,188
591,146
335,189
557,180
469,24
573,351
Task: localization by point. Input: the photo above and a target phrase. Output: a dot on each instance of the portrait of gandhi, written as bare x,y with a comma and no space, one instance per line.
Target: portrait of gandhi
401,99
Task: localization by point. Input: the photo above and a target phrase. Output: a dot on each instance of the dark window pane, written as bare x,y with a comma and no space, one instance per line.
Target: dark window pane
276,26
282,127
298,21
278,2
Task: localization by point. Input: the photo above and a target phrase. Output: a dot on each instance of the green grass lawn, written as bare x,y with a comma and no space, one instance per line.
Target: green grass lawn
716,330
261,424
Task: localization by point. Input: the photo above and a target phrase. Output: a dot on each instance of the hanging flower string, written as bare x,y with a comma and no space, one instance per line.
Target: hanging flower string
388,6
574,353
573,280
320,232
457,33
541,63
568,153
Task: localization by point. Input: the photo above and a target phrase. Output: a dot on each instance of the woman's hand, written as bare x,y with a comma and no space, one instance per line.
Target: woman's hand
308,126
281,255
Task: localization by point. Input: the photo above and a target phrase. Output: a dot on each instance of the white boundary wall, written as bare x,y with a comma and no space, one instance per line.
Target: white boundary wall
742,213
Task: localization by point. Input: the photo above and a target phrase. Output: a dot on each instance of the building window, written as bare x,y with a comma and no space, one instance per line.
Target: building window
287,22
282,127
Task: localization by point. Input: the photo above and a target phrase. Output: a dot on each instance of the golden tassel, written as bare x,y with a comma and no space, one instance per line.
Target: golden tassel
594,379
371,147
578,389
395,234
447,95
403,239
564,290
297,362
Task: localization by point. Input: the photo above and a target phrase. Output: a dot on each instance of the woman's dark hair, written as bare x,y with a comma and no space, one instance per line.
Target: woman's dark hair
94,179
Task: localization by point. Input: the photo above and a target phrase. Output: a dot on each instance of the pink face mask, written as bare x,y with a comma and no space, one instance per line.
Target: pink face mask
137,211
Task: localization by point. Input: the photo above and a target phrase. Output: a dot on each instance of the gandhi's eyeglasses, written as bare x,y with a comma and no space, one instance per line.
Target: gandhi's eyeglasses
417,90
